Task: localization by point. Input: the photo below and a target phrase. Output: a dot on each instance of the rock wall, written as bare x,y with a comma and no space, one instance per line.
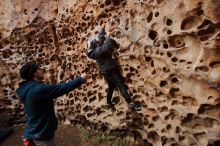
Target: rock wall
169,55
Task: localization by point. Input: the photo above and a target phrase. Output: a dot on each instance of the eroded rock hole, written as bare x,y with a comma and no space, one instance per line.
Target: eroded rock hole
215,143
163,83
7,53
163,109
152,63
152,35
169,22
98,111
92,99
25,12
159,1
174,80
108,2
174,59
176,41
178,130
206,23
189,62
189,101
169,54
87,108
173,91
163,139
189,118
147,58
168,127
165,45
189,23
90,115
206,107
166,70
116,2
182,60
149,17
153,72
215,63
146,143
102,6
172,115
202,68
175,144
181,138
169,32
153,136
157,14
199,12
205,32
200,136
102,15
100,96
156,118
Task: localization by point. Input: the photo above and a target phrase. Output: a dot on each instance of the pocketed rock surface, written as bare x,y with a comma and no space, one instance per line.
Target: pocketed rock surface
169,55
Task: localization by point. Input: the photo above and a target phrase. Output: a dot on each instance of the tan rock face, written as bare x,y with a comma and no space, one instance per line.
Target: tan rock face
169,55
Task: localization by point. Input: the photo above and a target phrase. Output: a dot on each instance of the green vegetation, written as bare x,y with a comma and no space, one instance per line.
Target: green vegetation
100,138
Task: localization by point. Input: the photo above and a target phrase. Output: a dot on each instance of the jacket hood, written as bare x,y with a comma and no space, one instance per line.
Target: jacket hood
23,89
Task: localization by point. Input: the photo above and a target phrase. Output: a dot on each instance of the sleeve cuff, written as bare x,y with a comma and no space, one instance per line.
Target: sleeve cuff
81,80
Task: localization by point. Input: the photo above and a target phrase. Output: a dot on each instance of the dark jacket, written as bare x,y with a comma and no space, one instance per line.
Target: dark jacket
37,98
103,54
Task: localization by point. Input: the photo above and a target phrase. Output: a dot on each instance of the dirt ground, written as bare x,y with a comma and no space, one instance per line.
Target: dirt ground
67,135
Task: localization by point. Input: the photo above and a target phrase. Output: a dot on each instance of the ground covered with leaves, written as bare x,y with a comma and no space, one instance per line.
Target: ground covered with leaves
67,135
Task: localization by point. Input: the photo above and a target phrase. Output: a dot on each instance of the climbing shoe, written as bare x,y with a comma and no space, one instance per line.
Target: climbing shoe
134,106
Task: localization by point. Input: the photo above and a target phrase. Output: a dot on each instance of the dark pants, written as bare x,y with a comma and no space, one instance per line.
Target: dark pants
114,79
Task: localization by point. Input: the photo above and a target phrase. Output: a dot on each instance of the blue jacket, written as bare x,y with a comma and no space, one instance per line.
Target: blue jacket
37,98
103,54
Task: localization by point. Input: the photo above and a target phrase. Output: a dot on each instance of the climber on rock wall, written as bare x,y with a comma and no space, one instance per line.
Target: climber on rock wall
37,98
101,49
